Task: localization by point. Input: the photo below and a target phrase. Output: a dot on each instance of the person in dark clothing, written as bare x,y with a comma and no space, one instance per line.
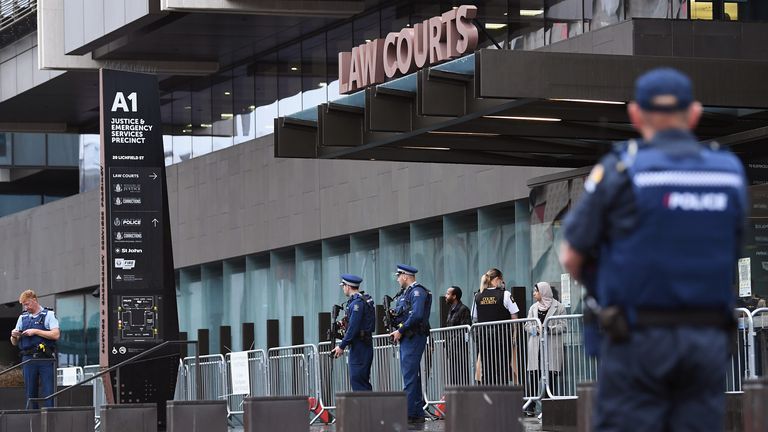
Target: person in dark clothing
459,312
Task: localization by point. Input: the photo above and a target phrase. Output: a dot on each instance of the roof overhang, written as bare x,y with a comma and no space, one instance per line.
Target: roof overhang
505,107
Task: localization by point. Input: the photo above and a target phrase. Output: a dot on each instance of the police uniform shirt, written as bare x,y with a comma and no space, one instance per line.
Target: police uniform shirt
607,210
419,313
50,320
356,312
509,304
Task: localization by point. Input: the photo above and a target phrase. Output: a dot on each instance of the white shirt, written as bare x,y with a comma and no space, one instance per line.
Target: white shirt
508,303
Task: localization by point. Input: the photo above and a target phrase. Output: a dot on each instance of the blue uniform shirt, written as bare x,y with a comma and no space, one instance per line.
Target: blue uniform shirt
50,320
361,314
607,210
413,308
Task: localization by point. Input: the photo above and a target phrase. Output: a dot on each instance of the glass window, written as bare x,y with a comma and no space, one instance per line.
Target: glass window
564,19
395,249
313,72
265,94
235,305
202,117
395,18
257,296
309,280
335,262
366,28
526,25
10,204
676,9
363,261
92,317
70,311
222,126
6,149
29,149
63,149
191,302
243,104
90,161
505,238
213,303
339,40
494,16
289,80
282,291
461,253
602,13
427,256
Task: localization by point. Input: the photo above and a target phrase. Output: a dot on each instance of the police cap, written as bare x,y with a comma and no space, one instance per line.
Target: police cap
409,270
663,90
351,280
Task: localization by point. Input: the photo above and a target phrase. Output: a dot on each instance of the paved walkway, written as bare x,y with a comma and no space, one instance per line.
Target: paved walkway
529,425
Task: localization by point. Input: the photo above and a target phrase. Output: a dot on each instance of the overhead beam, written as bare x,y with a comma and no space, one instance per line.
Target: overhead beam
331,9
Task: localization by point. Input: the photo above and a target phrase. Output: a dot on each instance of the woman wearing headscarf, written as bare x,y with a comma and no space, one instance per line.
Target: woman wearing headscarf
545,307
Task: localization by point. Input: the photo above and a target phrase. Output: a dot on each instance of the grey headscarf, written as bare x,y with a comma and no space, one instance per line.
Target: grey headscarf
546,296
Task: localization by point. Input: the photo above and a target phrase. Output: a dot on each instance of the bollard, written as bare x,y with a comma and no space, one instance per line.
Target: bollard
755,409
268,414
69,419
585,405
371,412
20,421
129,418
483,408
197,416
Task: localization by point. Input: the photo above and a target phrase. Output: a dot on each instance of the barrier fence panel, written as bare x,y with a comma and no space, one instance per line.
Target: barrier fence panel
386,375
334,375
505,354
447,361
74,372
294,371
99,394
257,375
742,365
213,371
181,392
760,341
565,362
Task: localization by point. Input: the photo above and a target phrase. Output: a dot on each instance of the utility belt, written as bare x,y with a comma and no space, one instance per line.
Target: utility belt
41,351
365,336
422,330
614,323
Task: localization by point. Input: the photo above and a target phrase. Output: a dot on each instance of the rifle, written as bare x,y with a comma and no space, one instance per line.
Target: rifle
337,328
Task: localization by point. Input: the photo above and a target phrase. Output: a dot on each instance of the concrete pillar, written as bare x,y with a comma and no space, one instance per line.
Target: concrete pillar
20,421
69,419
129,418
371,412
197,416
269,414
483,408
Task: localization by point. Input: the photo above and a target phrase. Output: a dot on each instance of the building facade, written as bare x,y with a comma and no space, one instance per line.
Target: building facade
278,182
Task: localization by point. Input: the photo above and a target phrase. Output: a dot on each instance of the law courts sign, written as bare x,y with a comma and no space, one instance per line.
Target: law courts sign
432,41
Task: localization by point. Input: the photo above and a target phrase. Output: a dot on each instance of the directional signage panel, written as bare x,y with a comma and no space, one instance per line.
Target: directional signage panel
137,291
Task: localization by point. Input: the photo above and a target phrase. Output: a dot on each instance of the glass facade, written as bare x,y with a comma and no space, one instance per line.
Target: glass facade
304,280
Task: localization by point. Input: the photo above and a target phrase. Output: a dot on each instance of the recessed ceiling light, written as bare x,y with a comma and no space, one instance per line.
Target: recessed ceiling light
187,107
252,107
294,68
531,12
426,148
488,134
590,101
226,116
322,84
226,93
494,26
543,119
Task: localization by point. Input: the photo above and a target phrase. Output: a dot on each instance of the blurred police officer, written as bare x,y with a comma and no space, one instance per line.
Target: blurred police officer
361,314
36,333
663,217
412,322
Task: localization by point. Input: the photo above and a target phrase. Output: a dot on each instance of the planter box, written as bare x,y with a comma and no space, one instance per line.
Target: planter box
269,414
197,416
371,411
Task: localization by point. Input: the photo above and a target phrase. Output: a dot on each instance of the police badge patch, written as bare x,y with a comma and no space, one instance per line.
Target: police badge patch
595,177
357,307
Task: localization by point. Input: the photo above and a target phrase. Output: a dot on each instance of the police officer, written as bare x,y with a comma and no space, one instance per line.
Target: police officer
361,315
663,219
36,333
412,321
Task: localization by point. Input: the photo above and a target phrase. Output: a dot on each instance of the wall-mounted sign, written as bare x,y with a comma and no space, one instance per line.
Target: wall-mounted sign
565,289
432,41
745,277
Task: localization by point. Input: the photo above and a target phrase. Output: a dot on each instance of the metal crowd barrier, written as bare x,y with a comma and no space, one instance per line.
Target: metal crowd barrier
294,371
61,371
566,362
447,362
213,371
258,376
334,375
99,394
760,341
386,375
742,360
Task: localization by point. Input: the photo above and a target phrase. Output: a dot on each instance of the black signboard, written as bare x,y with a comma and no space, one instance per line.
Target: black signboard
137,292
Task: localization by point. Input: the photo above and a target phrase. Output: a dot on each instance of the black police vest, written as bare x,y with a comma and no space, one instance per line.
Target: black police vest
490,306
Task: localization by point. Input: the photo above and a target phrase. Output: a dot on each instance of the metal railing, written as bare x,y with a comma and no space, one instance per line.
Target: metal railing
12,11
205,377
258,379
334,375
386,375
117,368
742,360
447,362
294,371
566,362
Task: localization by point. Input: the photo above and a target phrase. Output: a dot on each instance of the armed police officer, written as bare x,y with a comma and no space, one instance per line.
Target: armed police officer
411,316
361,316
663,219
36,333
